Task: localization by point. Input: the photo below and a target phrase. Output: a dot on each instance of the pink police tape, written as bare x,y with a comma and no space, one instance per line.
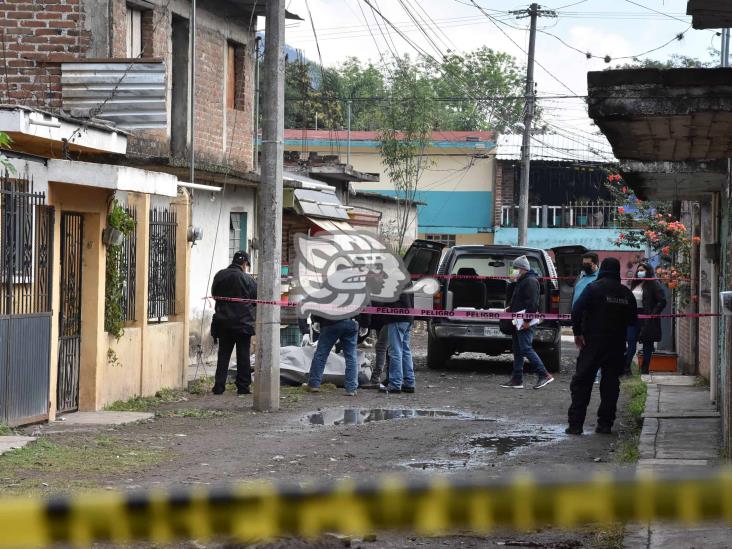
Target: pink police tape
438,313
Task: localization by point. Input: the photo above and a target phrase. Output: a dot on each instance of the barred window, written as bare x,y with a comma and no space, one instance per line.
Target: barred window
161,276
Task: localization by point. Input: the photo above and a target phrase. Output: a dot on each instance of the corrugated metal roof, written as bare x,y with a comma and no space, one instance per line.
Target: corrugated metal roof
135,93
556,148
319,203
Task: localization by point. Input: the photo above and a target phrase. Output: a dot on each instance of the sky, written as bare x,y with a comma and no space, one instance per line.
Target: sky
617,28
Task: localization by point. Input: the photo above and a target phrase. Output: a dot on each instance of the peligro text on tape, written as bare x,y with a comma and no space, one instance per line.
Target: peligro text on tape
474,314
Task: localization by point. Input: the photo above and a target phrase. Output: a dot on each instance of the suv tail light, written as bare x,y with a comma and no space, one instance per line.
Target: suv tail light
437,301
555,299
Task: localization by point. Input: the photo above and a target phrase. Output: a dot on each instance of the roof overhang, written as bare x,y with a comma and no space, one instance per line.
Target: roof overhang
710,14
342,173
664,115
45,134
259,8
114,178
674,180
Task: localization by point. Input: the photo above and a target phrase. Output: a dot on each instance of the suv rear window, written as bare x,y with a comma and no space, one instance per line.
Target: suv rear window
484,265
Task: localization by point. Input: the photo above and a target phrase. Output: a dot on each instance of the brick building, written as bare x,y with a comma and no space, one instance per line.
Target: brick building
127,61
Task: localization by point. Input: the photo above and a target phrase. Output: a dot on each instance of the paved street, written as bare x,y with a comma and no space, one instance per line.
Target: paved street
459,421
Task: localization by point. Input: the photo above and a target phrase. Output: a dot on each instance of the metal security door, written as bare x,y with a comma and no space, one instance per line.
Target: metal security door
69,341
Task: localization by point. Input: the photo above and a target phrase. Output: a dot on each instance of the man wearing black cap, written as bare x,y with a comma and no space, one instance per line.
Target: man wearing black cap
233,322
600,320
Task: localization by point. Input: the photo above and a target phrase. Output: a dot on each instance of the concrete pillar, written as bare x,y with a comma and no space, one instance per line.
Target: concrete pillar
182,208
141,202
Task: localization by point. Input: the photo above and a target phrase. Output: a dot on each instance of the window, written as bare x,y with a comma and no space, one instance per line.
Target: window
235,75
498,266
134,32
237,233
446,239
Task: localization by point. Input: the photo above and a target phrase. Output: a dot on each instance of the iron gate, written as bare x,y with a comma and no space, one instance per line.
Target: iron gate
69,336
26,233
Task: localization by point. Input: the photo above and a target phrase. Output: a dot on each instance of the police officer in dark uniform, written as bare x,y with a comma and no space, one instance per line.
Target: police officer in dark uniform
600,320
233,322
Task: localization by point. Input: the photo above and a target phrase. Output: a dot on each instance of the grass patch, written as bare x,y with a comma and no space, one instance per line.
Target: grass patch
5,430
198,413
103,455
608,537
701,382
143,404
637,391
201,386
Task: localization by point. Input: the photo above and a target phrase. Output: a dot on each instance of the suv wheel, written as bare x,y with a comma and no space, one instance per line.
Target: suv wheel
552,359
437,353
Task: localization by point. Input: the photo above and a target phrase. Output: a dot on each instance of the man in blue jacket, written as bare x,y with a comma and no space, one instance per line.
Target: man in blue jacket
525,297
590,266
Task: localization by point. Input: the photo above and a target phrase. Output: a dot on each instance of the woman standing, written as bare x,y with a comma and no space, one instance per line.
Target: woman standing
651,300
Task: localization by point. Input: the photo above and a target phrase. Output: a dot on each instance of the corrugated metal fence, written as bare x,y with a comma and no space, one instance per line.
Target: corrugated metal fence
26,233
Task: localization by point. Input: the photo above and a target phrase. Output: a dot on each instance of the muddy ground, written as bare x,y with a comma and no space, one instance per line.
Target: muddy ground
466,423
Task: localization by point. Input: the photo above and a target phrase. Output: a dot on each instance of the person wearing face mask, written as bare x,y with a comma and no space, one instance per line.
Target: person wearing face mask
590,266
525,297
651,300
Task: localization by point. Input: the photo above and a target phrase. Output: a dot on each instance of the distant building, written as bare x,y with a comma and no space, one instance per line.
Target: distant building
456,189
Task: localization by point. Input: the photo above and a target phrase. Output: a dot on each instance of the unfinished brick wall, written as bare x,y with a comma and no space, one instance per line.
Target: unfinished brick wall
30,31
504,187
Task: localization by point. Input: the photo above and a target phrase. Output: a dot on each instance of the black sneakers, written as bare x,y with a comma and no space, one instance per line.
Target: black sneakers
218,389
388,389
513,383
603,429
544,381
573,430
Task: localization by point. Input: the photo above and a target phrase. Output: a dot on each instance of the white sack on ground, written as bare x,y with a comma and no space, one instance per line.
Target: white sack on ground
295,365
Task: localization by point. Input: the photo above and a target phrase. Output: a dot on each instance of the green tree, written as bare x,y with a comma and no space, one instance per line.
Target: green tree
478,74
675,61
408,119
362,81
5,143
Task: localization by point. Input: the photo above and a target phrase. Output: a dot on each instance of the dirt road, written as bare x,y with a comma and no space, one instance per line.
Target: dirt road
459,420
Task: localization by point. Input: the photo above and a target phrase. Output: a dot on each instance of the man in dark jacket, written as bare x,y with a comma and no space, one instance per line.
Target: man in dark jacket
525,298
233,322
600,321
401,365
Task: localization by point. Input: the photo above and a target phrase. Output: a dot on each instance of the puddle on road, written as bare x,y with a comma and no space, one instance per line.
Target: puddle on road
503,445
481,450
438,464
359,416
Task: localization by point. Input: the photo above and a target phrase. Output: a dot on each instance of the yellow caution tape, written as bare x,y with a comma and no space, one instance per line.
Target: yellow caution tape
258,511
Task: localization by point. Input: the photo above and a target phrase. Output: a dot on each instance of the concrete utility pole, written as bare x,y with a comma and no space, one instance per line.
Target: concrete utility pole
348,154
269,210
725,48
534,11
192,91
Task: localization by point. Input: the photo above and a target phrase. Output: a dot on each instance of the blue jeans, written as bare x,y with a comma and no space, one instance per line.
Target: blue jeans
401,367
347,332
522,348
648,348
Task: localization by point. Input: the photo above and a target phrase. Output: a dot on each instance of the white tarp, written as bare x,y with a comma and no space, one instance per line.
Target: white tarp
295,365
